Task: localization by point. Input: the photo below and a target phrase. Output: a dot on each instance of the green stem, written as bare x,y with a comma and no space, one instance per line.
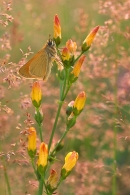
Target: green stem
39,122
60,180
59,108
64,134
34,168
41,184
55,124
61,86
7,180
67,91
64,84
40,131
40,189
78,56
45,187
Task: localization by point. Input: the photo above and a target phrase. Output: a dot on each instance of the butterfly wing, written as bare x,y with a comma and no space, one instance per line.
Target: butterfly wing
38,65
24,71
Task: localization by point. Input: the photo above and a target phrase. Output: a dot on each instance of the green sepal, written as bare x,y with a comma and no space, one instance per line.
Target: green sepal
49,187
64,173
36,104
71,122
72,78
76,112
32,153
69,110
41,169
38,175
39,117
72,61
85,47
57,40
68,63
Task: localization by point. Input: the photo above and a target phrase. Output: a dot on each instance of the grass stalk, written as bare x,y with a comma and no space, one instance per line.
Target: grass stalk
7,181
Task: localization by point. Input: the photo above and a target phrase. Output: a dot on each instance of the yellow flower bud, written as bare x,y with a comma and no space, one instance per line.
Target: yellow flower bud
52,181
36,94
77,67
79,103
57,30
31,142
72,46
43,157
70,161
66,54
89,39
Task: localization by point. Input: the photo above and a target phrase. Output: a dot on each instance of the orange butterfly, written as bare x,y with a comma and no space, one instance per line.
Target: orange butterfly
39,67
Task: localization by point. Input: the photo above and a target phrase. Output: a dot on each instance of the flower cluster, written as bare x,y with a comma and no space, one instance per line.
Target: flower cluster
43,154
67,76
72,67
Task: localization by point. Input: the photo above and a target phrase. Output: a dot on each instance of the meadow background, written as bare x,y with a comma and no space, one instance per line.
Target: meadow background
101,135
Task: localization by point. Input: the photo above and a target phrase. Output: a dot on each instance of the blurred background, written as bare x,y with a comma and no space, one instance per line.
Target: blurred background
101,134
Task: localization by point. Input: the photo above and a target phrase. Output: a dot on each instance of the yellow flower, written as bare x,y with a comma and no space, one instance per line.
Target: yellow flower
36,94
72,46
31,142
79,103
57,30
77,66
52,181
70,161
89,39
43,156
65,54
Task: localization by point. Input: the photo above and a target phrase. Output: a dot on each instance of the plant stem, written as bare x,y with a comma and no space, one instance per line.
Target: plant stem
7,180
55,124
64,84
78,56
40,189
67,91
45,187
41,183
40,131
34,168
60,180
39,122
61,86
64,134
59,108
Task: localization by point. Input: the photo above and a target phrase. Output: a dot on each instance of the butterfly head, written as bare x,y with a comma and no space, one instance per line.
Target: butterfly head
50,42
50,47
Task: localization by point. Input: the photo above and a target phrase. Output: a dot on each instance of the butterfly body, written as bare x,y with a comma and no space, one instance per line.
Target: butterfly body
39,67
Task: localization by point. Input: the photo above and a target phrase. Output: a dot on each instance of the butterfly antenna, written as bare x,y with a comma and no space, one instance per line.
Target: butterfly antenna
50,38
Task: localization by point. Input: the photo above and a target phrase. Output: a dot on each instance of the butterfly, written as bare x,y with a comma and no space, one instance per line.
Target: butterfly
39,67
